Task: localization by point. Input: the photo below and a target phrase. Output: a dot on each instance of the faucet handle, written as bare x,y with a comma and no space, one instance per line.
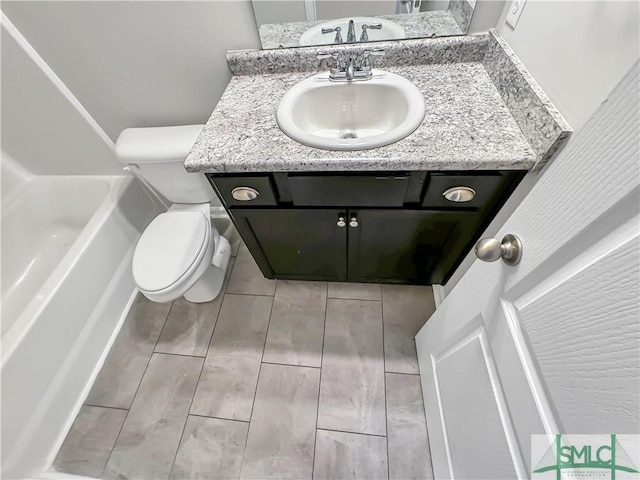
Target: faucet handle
338,38
365,59
365,36
333,56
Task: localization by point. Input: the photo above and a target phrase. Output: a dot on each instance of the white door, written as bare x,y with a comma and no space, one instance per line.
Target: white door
550,345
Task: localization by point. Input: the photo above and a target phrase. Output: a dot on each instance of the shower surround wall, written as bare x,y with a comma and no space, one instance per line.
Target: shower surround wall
70,219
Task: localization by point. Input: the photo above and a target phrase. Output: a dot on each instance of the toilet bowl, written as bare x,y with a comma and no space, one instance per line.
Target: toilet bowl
180,253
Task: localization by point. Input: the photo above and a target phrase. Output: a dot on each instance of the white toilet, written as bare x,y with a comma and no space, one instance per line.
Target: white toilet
180,252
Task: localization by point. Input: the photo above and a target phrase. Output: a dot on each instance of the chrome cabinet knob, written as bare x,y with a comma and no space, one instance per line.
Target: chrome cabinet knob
353,223
490,250
459,194
341,222
244,194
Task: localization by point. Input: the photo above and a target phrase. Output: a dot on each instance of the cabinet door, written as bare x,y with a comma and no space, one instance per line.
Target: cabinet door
408,246
295,244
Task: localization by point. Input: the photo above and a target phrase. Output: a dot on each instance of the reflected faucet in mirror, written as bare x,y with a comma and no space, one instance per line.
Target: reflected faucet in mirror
351,35
296,23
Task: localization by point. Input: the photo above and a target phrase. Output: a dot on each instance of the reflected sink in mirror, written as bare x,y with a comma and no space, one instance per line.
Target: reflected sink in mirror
351,115
383,29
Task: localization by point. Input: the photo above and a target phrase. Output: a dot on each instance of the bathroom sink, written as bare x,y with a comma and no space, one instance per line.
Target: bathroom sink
354,115
389,30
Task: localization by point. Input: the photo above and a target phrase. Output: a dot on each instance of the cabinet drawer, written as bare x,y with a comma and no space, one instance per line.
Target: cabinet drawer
261,185
483,188
349,190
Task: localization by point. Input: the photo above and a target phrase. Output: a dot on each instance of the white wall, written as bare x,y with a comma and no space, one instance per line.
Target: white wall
486,15
279,11
331,9
137,63
42,128
577,51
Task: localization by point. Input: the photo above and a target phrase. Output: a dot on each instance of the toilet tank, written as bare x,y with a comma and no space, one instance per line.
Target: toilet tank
157,154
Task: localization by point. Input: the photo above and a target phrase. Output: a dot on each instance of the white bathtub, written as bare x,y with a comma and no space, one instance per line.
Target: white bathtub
66,285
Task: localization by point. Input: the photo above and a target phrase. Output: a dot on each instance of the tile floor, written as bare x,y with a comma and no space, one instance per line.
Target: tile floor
273,379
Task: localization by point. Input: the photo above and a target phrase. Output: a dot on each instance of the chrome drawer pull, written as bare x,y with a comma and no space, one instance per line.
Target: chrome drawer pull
244,194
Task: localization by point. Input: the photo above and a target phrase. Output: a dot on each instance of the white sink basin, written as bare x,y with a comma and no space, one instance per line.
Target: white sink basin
389,31
351,115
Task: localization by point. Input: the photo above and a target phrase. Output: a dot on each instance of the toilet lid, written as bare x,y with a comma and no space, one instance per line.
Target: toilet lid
168,248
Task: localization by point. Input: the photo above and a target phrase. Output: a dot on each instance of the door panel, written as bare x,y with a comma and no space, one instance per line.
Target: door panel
465,362
590,314
419,246
562,325
296,244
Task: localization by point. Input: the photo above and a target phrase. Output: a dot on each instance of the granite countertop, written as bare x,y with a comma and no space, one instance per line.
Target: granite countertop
483,112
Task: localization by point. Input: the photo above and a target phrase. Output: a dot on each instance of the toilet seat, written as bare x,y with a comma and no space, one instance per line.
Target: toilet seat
170,250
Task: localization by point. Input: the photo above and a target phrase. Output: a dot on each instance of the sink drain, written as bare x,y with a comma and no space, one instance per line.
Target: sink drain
349,135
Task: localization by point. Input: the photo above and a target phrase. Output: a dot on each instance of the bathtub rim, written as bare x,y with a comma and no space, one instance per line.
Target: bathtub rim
20,327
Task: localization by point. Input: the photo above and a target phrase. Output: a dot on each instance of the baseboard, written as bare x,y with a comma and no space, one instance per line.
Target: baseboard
439,294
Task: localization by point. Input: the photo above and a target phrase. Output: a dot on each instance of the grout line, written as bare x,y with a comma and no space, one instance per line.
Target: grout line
215,324
352,433
424,412
219,418
137,388
180,354
384,363
105,406
251,294
324,330
255,392
355,299
404,373
291,365
186,419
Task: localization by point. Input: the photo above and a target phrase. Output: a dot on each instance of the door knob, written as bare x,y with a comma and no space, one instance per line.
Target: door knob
353,222
341,223
490,250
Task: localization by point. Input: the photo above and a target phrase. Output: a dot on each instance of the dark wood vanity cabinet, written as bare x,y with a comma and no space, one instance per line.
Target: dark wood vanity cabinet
383,227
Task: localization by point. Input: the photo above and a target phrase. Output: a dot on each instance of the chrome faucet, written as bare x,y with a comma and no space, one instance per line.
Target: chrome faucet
349,67
351,34
350,70
338,38
365,36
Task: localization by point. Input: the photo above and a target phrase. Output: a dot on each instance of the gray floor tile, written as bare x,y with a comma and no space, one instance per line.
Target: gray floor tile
247,278
283,426
189,326
151,433
86,449
352,387
210,448
355,291
409,455
343,456
127,361
296,328
230,374
405,309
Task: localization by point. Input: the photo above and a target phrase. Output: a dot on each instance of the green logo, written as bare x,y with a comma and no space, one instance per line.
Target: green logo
608,456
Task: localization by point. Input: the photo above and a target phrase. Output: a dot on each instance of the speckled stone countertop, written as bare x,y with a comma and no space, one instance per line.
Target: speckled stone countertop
475,119
416,25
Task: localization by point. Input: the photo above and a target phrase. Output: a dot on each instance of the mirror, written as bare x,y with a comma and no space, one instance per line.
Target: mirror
300,23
